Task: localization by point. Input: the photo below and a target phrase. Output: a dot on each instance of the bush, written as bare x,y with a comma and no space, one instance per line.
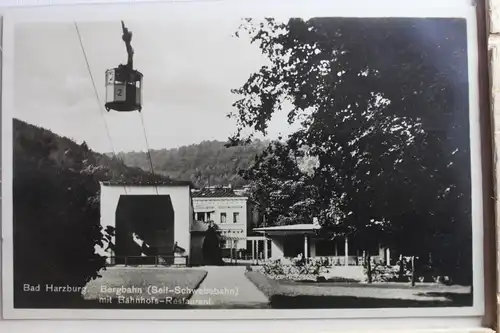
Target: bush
382,273
56,229
298,269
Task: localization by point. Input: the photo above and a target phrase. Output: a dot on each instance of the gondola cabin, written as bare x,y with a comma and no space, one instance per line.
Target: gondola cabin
123,89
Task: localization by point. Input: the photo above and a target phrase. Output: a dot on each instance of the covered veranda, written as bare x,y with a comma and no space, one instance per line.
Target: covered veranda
290,241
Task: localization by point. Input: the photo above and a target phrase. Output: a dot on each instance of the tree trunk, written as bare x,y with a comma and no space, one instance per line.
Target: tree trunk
369,267
412,271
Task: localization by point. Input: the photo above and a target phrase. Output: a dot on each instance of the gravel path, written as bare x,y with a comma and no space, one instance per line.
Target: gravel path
227,287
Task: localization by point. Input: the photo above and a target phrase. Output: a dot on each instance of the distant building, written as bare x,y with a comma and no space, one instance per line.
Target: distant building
228,209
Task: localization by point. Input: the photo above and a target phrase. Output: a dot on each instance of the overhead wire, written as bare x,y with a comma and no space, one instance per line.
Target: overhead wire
98,98
148,153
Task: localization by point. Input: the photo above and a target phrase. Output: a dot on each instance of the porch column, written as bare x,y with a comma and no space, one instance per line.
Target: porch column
346,253
388,257
253,250
306,246
235,251
257,251
265,248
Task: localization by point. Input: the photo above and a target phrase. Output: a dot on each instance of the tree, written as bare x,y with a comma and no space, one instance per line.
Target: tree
384,120
212,251
279,185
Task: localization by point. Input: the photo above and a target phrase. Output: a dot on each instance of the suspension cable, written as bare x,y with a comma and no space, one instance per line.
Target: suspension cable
148,152
98,99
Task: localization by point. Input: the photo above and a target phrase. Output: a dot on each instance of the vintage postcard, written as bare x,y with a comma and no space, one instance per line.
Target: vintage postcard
218,160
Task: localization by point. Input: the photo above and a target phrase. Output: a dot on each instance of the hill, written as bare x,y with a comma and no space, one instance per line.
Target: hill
44,148
203,164
56,212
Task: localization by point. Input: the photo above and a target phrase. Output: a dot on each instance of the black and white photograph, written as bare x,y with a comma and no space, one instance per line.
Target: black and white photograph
232,162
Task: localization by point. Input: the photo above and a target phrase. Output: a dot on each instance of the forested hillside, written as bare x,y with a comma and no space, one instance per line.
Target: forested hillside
206,163
56,220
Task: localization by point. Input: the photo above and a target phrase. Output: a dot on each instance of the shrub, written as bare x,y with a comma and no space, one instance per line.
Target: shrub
382,273
56,229
298,269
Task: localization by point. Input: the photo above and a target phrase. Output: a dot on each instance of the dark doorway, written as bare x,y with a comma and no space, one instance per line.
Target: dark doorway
151,218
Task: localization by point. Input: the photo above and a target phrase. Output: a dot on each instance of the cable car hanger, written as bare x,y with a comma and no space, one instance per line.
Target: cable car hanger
124,83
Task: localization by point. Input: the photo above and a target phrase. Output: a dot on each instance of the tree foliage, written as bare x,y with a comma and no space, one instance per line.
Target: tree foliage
212,250
208,163
383,107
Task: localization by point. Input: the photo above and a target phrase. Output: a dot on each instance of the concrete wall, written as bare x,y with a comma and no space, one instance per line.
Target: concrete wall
181,202
277,251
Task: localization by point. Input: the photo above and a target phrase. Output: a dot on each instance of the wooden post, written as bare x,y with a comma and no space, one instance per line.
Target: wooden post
412,271
369,267
257,252
266,249
306,245
346,254
253,251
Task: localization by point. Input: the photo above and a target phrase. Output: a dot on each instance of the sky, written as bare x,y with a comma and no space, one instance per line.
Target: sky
189,69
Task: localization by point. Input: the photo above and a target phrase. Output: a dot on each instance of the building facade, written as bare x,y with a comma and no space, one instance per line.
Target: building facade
305,240
227,209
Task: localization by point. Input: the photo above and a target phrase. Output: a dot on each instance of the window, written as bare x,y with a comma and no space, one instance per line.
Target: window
236,217
208,216
200,216
222,217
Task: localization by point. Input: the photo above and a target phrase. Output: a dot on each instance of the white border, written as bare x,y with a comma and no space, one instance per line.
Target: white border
214,9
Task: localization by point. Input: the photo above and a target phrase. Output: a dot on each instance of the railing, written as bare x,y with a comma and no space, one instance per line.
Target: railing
159,260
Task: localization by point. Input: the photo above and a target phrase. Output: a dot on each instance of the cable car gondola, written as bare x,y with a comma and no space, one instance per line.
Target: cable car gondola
124,83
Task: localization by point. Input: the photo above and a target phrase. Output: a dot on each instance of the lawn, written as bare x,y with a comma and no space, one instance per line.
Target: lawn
294,294
125,287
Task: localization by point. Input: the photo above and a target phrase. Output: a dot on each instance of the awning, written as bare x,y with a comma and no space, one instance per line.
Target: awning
206,210
292,229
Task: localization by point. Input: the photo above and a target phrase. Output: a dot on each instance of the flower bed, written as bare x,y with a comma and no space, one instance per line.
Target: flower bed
299,269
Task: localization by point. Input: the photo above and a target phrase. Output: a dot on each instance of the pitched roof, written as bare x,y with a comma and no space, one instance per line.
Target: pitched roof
218,192
170,182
